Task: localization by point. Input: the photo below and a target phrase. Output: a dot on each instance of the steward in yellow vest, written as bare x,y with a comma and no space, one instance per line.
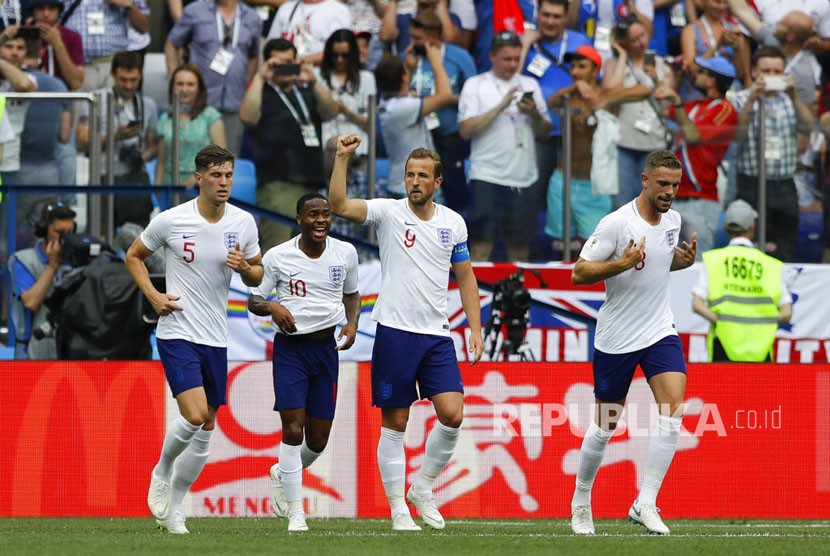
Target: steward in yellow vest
741,294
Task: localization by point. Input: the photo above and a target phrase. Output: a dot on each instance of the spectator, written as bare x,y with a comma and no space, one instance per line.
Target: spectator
364,40
394,28
641,117
599,18
222,38
706,129
135,138
425,28
285,122
670,16
102,25
402,116
589,104
62,52
33,273
366,16
773,11
502,112
12,55
544,55
495,16
786,115
744,304
308,24
714,35
200,125
791,34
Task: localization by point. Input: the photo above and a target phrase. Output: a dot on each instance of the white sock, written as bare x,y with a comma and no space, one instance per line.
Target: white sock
308,455
590,458
176,439
392,465
188,467
291,475
439,449
661,448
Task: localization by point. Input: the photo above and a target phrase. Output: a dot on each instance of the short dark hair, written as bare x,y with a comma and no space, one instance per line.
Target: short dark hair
277,45
768,52
563,3
504,38
422,153
212,155
309,197
389,74
663,159
127,60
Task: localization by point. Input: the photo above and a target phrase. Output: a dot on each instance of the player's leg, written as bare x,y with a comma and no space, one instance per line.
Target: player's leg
395,359
665,369
291,467
322,398
182,368
612,378
189,465
440,380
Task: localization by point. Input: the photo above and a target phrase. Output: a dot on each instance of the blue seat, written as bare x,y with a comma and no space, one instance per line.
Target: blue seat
381,177
244,181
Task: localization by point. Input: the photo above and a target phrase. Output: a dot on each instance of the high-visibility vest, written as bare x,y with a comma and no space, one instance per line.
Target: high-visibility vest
744,289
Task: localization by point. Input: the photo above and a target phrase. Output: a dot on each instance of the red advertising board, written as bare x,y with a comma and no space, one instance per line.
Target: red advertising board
80,438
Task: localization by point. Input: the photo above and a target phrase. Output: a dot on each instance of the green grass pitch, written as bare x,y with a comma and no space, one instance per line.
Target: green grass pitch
341,537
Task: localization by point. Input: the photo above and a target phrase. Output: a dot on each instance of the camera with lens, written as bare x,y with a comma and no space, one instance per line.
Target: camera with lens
80,249
509,310
131,155
45,330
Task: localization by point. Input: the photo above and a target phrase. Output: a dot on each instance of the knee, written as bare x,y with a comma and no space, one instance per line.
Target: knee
317,442
199,417
292,433
452,420
396,422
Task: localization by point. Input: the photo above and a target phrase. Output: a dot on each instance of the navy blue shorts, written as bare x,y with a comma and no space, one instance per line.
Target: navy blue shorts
305,374
188,365
613,372
401,359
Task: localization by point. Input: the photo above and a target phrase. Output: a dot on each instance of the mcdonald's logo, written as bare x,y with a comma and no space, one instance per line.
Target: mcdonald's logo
103,396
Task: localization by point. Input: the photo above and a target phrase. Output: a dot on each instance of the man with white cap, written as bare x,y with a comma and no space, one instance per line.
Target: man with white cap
706,125
741,293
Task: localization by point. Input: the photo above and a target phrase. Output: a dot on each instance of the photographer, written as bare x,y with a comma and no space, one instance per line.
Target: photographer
135,137
34,271
285,106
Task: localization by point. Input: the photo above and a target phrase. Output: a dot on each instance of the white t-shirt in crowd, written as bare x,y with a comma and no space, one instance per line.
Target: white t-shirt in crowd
415,263
309,25
195,253
311,289
403,130
636,313
505,152
772,11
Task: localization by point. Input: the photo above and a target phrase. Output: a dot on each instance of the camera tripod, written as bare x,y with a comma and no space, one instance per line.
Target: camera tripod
513,343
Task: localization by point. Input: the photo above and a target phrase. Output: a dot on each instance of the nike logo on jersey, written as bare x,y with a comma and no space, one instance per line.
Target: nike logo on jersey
293,274
188,236
409,223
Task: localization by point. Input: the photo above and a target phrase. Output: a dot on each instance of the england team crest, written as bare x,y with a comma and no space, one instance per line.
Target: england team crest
231,239
337,273
670,239
444,236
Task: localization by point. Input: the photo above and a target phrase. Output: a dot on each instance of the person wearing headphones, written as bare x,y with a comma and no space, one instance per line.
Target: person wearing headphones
34,271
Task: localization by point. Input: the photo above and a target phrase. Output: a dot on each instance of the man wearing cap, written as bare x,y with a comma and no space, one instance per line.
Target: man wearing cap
62,51
741,293
544,54
589,104
502,113
706,125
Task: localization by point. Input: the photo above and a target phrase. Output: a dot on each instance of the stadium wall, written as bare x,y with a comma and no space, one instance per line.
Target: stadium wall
80,439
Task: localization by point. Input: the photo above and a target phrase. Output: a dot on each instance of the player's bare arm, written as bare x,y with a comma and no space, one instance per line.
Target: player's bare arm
349,331
251,270
283,318
586,273
163,303
684,258
471,302
353,210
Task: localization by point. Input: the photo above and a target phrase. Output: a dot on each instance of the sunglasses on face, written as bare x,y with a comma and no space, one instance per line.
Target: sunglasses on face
343,55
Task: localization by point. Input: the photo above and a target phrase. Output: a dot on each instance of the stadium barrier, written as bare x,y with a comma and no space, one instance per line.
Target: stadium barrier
80,439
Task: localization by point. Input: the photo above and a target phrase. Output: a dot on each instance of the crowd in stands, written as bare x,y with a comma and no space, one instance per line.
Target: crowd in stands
482,82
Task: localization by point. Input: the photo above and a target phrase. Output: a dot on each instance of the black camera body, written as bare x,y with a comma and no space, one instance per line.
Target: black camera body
80,249
509,310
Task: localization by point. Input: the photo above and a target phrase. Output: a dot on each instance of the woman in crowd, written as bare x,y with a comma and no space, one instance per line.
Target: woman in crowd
200,125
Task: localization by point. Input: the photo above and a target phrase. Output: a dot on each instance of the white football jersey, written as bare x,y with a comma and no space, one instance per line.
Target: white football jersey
311,289
195,252
415,263
636,312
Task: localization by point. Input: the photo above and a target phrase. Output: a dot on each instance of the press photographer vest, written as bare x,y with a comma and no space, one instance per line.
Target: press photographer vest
24,321
744,289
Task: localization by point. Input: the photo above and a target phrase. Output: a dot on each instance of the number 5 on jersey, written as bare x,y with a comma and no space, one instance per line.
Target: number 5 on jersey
189,254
